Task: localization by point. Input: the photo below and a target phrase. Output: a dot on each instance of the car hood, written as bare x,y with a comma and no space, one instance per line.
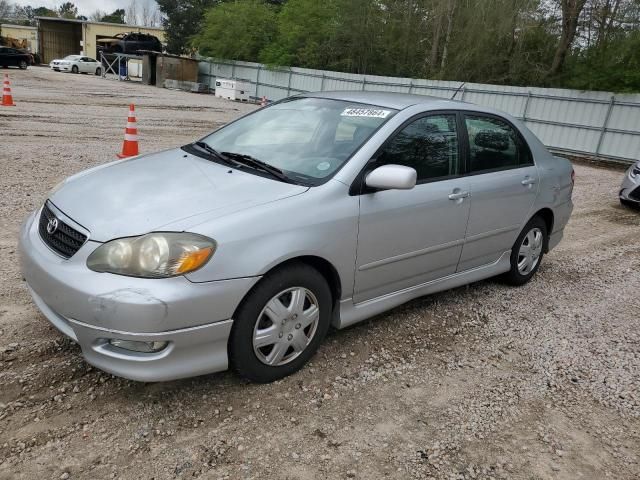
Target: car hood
144,194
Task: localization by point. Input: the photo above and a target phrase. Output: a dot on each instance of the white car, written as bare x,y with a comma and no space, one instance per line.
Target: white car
76,64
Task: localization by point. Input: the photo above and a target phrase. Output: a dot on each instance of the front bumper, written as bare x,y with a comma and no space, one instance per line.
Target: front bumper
61,68
92,308
630,188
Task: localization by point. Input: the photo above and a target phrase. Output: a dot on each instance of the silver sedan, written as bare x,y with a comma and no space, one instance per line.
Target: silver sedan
630,188
324,209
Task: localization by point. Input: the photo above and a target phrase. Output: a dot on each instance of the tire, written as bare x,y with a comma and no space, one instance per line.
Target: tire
22,65
628,204
74,69
98,71
296,333
524,267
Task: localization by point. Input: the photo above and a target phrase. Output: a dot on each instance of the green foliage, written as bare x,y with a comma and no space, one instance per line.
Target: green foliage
512,42
117,16
615,67
517,50
68,10
182,21
306,34
44,12
238,30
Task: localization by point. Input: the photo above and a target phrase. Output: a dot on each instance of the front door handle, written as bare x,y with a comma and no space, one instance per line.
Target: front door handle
458,195
528,181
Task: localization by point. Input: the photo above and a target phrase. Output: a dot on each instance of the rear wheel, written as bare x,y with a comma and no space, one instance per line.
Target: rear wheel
23,65
74,69
527,252
98,71
280,324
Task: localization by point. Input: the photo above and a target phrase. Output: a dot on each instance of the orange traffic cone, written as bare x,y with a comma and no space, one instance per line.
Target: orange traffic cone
263,102
7,99
130,145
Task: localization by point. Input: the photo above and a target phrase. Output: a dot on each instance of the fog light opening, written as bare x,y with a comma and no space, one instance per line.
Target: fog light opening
137,346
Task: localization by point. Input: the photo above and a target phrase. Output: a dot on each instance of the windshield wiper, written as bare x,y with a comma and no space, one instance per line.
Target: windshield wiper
209,149
257,164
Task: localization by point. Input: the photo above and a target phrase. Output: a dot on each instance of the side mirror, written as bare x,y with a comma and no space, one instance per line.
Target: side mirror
392,177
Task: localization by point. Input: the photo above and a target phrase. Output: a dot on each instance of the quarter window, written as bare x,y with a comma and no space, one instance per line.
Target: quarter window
494,145
429,145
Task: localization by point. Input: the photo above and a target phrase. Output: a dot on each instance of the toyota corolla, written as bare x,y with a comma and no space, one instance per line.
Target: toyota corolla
244,247
630,188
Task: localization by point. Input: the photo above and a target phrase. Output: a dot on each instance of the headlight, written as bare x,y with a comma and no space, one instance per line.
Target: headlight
635,170
155,255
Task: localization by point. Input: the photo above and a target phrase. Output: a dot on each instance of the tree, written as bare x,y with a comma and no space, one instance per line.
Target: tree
149,14
358,41
238,30
591,44
132,13
306,34
68,10
571,10
182,20
117,16
5,9
44,12
143,12
97,15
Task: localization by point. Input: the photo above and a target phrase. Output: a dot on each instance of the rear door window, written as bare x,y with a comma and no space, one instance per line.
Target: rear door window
495,145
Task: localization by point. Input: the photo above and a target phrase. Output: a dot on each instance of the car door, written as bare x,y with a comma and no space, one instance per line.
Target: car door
92,65
132,43
12,57
85,65
503,184
408,237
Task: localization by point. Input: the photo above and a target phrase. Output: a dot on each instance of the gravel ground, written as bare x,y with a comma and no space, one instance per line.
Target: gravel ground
485,381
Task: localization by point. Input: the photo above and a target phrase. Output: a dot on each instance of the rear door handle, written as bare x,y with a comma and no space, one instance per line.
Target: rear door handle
458,195
528,181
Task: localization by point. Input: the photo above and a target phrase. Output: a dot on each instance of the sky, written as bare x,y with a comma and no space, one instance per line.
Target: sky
85,7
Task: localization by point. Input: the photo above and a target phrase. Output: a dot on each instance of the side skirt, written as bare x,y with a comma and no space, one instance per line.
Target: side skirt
351,313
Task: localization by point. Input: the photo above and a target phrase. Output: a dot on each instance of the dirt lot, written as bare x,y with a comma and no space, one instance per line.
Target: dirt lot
485,381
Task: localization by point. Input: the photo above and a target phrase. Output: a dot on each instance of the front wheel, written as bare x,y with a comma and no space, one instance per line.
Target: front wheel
74,69
23,65
527,252
280,324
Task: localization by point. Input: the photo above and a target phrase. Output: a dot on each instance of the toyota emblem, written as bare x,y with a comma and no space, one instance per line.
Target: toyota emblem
52,226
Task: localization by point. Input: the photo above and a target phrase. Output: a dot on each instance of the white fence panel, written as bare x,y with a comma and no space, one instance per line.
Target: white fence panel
598,124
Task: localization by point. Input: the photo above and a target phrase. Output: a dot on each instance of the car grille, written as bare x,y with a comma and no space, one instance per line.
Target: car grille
635,195
64,240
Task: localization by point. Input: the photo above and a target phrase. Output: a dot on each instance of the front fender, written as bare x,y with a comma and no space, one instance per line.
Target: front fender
323,222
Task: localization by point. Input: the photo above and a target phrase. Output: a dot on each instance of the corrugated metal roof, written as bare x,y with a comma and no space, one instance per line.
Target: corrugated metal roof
73,20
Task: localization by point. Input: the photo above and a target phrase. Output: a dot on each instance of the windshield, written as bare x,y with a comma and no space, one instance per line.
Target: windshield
307,138
71,57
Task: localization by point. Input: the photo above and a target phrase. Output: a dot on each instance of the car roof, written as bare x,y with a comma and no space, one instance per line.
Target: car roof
398,101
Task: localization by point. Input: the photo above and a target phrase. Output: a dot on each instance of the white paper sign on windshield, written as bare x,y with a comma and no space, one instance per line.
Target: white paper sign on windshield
365,112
